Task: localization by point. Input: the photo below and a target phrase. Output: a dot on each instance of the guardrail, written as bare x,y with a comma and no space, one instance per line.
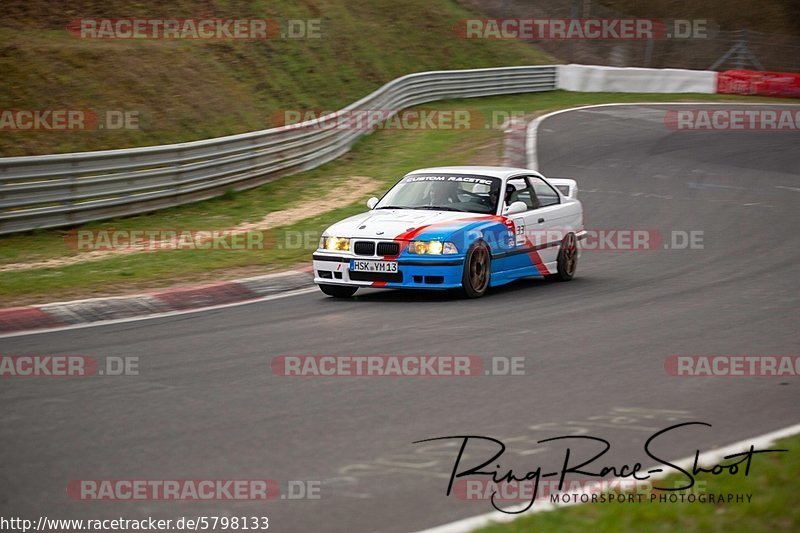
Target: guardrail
67,189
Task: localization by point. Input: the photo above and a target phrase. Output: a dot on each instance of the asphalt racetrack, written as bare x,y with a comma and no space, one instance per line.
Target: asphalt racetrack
206,404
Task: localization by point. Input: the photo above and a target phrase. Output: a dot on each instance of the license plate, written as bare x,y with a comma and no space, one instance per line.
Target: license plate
373,266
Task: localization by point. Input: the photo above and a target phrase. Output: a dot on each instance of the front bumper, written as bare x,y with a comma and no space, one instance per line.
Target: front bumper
418,272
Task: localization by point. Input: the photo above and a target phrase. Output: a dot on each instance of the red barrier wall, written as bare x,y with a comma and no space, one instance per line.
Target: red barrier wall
759,83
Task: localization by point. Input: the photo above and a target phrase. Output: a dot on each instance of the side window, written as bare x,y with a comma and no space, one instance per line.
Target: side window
519,190
544,192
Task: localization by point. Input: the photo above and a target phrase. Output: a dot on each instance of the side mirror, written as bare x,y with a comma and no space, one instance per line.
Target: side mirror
372,202
515,207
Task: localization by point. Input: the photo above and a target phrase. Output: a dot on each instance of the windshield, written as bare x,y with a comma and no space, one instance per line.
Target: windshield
449,192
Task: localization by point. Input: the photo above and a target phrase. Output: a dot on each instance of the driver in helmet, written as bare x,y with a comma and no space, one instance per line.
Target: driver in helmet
443,193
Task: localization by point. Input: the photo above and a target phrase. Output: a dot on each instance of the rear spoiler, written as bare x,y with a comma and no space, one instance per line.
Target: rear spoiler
566,186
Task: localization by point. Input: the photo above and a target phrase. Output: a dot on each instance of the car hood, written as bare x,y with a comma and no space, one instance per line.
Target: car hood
391,223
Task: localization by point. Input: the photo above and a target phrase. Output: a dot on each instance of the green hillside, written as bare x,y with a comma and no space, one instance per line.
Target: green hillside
185,90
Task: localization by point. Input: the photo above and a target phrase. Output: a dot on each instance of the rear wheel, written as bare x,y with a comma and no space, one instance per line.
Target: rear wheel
477,271
338,291
567,258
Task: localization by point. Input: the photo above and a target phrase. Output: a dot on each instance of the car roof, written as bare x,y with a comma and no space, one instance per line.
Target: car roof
494,172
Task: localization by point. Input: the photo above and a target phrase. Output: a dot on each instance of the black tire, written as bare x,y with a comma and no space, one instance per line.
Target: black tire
477,271
567,258
338,291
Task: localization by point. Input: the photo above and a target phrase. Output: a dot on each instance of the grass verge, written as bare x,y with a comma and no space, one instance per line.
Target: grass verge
774,483
185,89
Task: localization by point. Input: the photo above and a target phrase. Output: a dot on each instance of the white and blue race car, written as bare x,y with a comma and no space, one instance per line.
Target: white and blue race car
465,228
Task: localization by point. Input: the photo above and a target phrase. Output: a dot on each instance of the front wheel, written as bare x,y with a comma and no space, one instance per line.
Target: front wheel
477,271
338,291
567,258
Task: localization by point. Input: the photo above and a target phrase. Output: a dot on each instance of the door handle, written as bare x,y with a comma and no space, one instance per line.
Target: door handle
541,220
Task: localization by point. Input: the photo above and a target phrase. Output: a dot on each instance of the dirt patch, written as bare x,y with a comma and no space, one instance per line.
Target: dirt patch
357,187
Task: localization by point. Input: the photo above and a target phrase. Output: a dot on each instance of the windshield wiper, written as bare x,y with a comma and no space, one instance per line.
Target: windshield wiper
429,207
439,208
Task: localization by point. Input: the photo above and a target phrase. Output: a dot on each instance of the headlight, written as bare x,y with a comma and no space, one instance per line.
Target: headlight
335,244
449,248
432,248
